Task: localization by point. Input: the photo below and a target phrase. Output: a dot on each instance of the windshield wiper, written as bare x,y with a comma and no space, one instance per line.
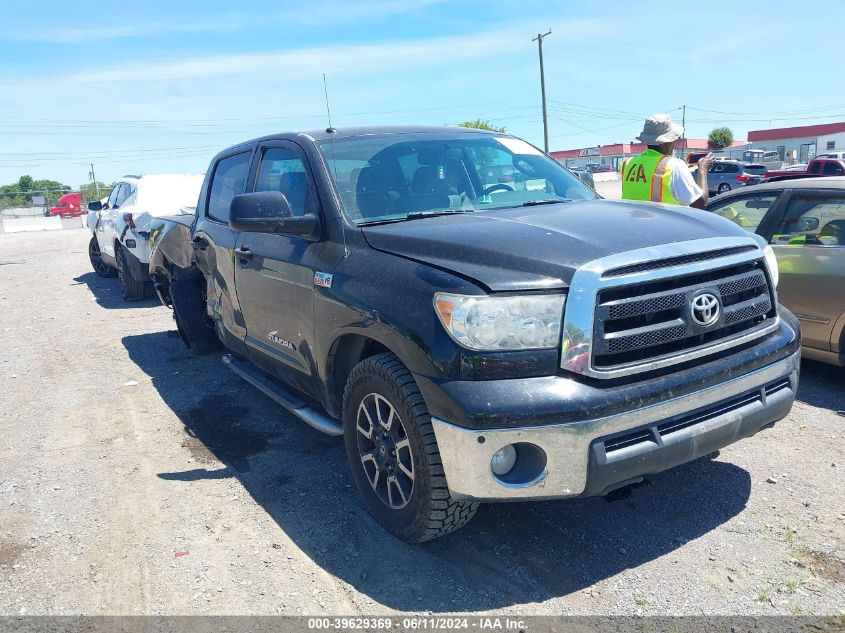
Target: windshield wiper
534,203
416,215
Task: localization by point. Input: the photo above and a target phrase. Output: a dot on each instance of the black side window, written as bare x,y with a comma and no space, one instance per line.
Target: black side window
731,169
833,169
282,169
227,182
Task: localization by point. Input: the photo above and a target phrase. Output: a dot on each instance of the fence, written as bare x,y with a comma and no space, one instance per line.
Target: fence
23,212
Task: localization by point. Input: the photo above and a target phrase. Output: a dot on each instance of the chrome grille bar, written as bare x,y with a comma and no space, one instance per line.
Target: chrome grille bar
643,318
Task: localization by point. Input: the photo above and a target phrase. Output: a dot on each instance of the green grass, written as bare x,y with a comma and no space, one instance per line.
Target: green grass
790,535
793,584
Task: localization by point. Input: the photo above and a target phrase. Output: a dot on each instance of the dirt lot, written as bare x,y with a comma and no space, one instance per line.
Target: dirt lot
137,480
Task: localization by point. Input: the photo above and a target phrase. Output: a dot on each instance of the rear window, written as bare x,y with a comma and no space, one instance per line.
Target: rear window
833,169
759,170
228,182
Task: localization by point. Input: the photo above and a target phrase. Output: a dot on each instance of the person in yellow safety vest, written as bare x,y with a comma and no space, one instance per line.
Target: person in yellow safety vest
656,175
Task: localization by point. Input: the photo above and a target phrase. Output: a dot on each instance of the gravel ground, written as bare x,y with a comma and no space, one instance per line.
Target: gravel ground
137,480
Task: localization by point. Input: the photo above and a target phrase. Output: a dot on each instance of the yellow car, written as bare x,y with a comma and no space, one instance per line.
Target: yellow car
804,221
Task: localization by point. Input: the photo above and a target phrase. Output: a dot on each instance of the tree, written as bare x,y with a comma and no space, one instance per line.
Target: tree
26,183
20,193
478,124
89,191
720,138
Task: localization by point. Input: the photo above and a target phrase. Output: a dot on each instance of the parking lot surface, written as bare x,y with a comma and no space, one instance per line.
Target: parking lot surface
135,479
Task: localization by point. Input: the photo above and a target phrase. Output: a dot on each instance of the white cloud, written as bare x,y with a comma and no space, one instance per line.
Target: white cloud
488,46
308,62
138,29
315,13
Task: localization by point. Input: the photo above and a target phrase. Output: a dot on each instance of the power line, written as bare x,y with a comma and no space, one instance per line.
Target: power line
767,114
276,117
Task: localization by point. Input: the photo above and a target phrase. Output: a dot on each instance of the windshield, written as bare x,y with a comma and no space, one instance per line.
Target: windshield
392,177
755,169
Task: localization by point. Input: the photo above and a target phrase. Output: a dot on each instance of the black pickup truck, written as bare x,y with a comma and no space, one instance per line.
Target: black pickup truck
473,319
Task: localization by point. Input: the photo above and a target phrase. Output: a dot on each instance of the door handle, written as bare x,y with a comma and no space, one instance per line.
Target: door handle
200,243
243,254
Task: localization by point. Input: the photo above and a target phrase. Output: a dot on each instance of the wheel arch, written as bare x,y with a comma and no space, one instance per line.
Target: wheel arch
837,333
346,351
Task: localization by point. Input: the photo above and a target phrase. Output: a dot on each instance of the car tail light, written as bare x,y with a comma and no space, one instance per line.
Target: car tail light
742,177
127,217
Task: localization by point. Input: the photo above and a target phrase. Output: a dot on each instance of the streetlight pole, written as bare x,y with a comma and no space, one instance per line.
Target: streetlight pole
539,40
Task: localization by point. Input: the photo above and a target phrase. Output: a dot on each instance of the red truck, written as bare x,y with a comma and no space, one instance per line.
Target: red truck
68,206
816,167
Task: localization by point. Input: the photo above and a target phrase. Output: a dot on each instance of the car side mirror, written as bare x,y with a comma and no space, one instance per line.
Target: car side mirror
269,212
95,206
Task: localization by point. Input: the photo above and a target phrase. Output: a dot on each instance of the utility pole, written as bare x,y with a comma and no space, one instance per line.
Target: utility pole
94,178
684,121
539,40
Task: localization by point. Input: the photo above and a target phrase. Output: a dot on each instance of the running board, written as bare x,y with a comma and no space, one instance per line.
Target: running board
270,388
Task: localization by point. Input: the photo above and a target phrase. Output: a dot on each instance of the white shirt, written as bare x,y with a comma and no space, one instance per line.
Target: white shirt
682,184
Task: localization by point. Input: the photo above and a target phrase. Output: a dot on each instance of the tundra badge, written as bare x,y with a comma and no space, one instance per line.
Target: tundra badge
278,340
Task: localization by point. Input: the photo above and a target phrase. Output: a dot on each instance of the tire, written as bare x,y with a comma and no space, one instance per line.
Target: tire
187,295
95,257
131,287
414,508
723,188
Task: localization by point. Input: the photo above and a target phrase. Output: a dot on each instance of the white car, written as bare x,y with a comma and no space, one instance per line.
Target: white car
120,227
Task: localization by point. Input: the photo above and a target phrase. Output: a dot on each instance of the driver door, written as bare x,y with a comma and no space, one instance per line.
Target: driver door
274,273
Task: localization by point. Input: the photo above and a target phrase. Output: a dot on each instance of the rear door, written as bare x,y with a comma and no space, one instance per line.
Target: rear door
214,241
275,273
809,242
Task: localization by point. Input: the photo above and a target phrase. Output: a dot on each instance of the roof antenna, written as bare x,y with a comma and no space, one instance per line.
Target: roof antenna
330,129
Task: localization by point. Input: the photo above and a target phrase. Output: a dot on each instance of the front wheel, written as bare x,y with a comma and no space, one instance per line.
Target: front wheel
95,256
393,453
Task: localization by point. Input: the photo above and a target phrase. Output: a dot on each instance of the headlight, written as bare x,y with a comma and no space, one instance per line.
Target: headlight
502,323
772,264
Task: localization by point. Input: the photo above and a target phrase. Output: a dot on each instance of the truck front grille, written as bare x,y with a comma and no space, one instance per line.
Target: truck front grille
650,320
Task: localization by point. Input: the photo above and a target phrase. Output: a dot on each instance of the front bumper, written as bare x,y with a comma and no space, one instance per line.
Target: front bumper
593,456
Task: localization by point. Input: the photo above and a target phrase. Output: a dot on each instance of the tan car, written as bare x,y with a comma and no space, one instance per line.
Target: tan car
804,221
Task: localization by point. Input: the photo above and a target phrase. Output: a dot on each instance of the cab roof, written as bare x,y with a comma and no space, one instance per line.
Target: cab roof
366,130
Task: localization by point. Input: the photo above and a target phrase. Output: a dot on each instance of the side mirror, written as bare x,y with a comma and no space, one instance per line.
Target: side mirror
269,212
95,206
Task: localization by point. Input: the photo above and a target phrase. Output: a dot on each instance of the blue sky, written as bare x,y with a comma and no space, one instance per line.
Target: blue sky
161,86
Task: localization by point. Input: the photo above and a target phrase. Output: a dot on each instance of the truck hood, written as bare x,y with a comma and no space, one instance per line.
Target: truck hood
536,248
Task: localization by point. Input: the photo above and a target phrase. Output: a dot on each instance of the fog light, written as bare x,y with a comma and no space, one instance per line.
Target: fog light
503,461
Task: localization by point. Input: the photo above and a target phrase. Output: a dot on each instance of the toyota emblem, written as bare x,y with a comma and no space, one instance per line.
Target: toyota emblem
705,309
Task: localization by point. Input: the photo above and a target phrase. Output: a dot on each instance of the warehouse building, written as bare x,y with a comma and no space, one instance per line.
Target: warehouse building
799,144
613,155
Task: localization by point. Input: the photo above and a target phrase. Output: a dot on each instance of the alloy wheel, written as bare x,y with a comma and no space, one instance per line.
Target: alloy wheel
385,451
